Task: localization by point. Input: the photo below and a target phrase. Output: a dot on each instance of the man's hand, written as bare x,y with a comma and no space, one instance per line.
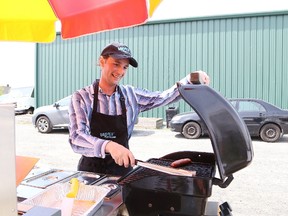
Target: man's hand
121,155
199,77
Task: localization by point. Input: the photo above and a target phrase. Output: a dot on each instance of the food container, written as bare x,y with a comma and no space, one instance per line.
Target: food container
147,192
88,200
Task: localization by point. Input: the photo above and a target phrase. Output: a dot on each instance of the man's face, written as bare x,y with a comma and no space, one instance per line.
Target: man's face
113,70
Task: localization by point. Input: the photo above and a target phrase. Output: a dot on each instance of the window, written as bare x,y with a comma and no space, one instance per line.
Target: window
234,103
248,106
65,101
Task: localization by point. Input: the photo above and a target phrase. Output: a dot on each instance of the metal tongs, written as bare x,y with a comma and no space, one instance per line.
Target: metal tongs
164,169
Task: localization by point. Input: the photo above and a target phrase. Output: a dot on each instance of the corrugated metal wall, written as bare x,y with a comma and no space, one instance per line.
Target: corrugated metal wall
245,56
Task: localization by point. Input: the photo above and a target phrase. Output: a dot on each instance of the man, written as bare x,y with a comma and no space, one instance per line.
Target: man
102,115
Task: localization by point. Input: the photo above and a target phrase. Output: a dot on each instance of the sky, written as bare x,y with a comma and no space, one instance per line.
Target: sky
17,59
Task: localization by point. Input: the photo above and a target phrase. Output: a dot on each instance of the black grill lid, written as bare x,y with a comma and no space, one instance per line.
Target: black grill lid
229,135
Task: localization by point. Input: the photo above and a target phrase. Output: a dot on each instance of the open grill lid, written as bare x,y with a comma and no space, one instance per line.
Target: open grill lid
229,135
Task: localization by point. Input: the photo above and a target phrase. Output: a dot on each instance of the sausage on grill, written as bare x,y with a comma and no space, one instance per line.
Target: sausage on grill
180,162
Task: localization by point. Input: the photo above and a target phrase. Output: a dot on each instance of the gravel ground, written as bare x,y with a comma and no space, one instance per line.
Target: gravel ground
258,190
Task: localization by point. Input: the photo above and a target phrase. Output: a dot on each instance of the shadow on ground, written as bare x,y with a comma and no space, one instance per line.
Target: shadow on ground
138,133
180,136
283,139
59,131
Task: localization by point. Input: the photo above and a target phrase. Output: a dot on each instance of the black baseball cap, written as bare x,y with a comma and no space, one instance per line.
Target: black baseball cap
119,51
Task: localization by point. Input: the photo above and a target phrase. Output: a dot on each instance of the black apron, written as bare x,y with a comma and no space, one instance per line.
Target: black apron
109,128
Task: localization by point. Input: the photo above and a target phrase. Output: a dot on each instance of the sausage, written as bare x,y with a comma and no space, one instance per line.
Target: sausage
180,162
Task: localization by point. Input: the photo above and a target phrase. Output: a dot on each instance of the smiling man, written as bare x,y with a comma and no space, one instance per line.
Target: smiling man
102,115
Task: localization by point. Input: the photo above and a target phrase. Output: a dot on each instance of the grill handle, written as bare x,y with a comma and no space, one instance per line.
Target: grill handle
222,184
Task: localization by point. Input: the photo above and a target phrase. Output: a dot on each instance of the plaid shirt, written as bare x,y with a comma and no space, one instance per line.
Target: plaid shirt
136,100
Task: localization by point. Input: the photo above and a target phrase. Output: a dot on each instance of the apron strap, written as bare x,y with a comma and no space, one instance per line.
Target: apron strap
122,99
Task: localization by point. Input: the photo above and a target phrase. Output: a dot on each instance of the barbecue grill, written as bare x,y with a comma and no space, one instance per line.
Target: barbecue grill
149,192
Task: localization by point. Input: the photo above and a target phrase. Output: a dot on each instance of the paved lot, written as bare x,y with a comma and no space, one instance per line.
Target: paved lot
258,190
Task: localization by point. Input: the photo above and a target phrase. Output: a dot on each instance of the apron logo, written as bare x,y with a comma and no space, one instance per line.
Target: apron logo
108,135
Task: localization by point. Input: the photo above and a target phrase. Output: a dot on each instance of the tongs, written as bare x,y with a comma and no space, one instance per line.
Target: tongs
164,169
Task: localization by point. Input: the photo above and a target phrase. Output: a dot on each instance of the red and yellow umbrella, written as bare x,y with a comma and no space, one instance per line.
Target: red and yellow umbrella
34,20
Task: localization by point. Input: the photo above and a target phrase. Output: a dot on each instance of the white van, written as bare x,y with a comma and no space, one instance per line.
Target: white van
22,98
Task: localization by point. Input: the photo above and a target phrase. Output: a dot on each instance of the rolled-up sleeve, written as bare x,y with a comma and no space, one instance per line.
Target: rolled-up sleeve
148,100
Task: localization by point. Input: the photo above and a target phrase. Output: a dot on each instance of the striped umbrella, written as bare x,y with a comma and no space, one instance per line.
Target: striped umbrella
35,20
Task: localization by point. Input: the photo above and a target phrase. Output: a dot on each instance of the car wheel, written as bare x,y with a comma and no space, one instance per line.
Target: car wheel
270,133
30,111
191,130
43,125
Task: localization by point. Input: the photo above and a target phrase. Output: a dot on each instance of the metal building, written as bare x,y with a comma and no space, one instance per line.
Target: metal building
245,56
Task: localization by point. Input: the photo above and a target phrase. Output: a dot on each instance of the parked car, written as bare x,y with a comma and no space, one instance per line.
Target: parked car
22,98
263,120
47,118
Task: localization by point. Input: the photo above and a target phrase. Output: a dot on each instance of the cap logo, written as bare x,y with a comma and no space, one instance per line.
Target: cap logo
124,49
119,51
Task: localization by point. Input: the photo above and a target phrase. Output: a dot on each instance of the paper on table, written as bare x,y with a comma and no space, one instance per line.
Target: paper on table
23,166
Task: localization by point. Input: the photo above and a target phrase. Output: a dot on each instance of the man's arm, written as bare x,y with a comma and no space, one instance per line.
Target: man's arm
148,100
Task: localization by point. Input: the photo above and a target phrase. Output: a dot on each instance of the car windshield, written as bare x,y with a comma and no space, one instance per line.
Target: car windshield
21,92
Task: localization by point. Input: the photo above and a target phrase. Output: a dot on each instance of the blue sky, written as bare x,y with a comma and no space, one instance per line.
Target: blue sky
17,59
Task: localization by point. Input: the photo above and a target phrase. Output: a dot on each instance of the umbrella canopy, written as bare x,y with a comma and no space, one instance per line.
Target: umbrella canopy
34,20
27,20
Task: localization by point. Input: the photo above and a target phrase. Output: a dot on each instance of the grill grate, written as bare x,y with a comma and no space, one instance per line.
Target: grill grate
202,170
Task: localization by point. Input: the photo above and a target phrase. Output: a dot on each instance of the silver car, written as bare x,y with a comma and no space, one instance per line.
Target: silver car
46,118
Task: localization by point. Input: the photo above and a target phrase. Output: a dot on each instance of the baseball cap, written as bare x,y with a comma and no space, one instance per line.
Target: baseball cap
119,51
